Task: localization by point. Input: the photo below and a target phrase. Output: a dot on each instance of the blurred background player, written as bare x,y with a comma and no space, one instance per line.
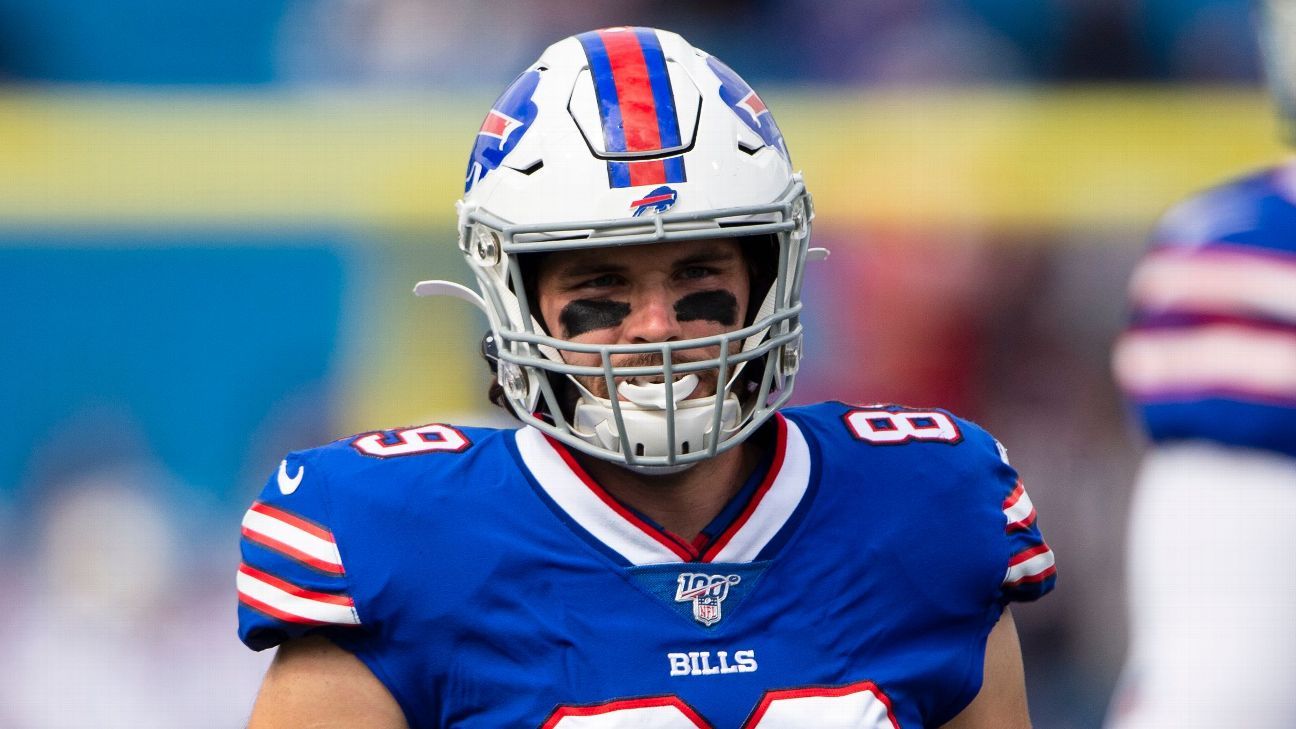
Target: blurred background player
1209,364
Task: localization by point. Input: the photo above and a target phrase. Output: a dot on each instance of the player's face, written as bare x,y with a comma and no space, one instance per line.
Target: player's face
660,292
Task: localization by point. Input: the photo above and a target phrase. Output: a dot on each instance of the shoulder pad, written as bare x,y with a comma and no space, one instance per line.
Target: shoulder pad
292,578
1258,210
978,477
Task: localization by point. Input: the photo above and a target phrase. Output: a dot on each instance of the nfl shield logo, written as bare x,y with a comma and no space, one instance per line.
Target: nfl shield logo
707,613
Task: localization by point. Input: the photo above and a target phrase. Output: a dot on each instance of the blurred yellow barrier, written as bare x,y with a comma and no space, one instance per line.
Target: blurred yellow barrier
1109,156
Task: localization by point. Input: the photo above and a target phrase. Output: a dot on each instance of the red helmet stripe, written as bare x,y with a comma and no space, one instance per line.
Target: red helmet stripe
634,89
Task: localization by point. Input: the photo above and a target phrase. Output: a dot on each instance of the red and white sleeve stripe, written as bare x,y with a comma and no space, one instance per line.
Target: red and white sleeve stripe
1034,564
292,536
1221,278
291,603
1018,509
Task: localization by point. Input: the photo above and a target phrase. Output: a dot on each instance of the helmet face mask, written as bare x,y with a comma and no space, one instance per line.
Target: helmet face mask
558,167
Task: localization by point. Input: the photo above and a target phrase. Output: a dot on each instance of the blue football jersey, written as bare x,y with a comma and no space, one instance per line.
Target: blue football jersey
1210,352
488,581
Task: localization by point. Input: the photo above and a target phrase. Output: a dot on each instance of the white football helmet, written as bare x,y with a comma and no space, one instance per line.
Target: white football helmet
1277,21
627,136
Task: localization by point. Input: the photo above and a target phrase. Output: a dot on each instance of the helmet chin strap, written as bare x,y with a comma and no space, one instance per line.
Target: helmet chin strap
644,409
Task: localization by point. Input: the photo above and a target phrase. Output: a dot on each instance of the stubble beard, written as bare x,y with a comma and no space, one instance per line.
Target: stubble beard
707,378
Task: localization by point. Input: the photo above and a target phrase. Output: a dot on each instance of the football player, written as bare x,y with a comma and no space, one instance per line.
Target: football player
1208,363
661,543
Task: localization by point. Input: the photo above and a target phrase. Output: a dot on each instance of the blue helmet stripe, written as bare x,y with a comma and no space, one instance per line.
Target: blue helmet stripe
675,169
618,174
606,93
659,77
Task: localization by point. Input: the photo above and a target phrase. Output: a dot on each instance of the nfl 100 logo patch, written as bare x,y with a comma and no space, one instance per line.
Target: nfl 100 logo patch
707,593
703,594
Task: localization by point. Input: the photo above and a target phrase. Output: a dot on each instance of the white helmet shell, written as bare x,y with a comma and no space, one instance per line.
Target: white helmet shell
1277,19
632,136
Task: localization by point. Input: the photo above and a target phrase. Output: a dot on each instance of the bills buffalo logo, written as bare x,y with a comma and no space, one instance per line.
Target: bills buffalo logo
503,128
707,593
659,201
740,97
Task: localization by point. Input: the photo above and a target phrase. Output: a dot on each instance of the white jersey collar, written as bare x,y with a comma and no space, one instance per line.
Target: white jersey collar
618,528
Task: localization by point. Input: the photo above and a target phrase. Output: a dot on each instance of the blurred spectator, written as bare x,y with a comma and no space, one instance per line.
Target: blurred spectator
465,42
108,623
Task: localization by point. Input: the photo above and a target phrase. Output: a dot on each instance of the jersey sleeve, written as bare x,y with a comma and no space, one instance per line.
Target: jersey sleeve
1208,351
979,521
1031,571
292,580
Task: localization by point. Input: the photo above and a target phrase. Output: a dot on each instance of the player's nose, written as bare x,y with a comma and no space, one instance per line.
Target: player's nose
652,318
